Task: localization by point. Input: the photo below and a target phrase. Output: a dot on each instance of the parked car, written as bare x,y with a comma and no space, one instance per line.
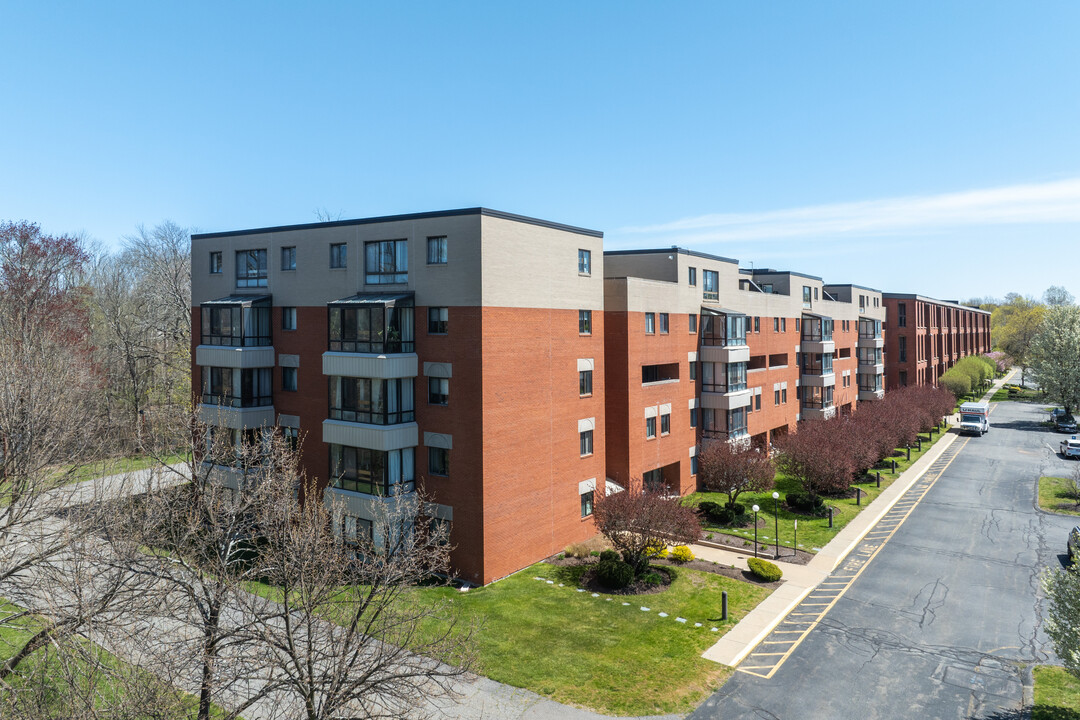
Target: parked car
1073,544
1070,447
1065,423
1054,412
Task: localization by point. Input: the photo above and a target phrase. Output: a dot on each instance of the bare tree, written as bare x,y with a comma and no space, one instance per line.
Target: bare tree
347,633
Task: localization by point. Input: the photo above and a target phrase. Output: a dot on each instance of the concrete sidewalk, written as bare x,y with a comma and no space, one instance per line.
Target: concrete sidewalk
800,580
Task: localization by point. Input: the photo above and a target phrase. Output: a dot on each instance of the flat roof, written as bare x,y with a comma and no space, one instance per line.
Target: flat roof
672,249
409,216
935,301
852,285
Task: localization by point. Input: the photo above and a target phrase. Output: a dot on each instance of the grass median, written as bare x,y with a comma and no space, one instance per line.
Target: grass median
1057,495
1057,694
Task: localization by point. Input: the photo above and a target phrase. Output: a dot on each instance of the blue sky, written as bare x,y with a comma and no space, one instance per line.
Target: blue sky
929,147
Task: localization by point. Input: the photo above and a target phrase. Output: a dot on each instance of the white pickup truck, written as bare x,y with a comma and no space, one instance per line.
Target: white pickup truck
975,418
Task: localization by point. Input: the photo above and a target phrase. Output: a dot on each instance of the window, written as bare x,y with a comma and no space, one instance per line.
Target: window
372,400
903,378
374,472
757,324
371,327
693,322
665,423
783,395
693,370
215,262
586,504
757,401
663,323
584,262
815,293
903,348
584,322
806,295
438,461
693,276
776,397
584,382
650,427
650,322
339,255
288,258
693,417
288,318
586,442
693,465
796,324
232,387
438,319
243,324
292,437
387,262
783,324
711,285
288,379
776,324
251,268
436,250
354,529
438,391
901,315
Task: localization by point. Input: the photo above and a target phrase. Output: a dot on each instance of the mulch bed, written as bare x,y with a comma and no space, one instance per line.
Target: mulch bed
590,584
766,552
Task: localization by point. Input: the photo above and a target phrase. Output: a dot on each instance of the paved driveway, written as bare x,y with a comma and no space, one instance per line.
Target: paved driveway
937,613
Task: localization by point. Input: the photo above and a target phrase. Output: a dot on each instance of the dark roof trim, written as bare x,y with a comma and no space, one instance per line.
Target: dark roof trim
706,310
786,272
374,299
239,300
409,216
851,285
672,249
934,301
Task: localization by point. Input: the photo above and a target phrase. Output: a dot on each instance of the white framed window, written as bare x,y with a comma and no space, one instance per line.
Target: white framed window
650,427
650,322
288,258
386,262
584,382
663,323
665,424
693,322
288,379
586,503
436,250
288,318
692,276
438,320
251,268
584,322
215,262
438,461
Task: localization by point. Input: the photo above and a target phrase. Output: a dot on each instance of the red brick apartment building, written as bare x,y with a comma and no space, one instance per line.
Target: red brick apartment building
926,337
697,348
511,368
460,351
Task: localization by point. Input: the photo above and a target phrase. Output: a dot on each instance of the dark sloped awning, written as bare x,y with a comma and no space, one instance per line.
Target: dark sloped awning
376,299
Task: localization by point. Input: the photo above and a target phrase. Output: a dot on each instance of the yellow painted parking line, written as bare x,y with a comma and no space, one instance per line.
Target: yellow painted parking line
899,514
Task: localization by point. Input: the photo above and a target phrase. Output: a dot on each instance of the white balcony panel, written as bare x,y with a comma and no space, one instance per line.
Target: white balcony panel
871,342
720,354
871,394
367,365
237,418
878,369
817,346
826,380
234,357
373,437
224,475
726,401
818,413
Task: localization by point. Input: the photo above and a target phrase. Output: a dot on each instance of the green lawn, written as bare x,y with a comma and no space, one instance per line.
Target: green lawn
1021,394
112,466
1057,694
814,533
596,652
1054,497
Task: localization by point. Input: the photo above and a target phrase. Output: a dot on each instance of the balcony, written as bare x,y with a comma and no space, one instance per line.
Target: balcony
350,364
724,354
371,436
818,413
865,395
725,400
723,336
817,334
237,418
818,379
236,332
870,342
374,324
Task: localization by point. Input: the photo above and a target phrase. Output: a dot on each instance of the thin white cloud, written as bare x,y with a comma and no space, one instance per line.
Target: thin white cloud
1048,202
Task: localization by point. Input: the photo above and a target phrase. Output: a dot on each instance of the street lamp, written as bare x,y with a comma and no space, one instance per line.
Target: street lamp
776,522
756,508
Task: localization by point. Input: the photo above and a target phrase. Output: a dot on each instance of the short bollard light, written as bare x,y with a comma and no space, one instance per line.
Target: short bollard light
878,478
795,547
756,508
858,496
723,605
830,516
